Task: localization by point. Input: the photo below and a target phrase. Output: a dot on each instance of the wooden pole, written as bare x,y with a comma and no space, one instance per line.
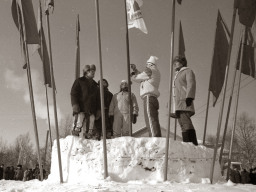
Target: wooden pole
54,96
46,145
175,129
170,91
224,94
128,69
48,115
101,92
237,99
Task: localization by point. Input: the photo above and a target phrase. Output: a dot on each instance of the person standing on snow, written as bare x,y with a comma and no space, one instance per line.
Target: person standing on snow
119,111
184,90
98,124
85,100
149,81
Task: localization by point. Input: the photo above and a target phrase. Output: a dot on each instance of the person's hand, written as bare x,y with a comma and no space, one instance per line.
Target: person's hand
133,67
76,109
189,101
134,118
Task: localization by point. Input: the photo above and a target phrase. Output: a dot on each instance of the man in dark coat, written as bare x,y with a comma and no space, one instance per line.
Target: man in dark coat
98,123
2,171
184,89
85,100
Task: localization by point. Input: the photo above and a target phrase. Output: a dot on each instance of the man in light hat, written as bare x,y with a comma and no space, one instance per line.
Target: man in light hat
119,111
85,100
184,90
149,81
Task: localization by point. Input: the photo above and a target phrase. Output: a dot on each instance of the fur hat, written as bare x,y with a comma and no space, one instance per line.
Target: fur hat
180,58
89,67
152,59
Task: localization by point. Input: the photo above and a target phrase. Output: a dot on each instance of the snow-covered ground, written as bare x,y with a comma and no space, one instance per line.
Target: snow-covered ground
134,164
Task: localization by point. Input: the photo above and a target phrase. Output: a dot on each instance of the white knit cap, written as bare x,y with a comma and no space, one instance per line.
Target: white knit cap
152,60
123,81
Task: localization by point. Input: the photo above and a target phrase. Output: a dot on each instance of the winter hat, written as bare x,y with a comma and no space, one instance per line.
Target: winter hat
180,58
152,60
89,67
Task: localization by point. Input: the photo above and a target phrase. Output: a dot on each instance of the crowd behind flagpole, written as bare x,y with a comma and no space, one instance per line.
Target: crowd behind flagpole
24,18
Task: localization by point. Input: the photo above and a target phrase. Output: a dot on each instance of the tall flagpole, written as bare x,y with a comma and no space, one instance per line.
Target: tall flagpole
48,114
237,99
46,144
224,93
31,92
54,96
128,69
101,92
170,91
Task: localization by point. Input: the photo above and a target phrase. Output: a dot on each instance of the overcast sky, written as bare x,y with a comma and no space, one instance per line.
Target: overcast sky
198,19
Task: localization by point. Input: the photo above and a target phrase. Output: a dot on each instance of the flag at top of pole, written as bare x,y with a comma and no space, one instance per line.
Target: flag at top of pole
246,11
134,15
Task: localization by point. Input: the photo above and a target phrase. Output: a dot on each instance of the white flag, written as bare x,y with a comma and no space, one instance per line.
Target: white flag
134,15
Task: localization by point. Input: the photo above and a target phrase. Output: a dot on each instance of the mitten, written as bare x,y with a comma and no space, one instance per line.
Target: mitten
76,109
189,101
134,118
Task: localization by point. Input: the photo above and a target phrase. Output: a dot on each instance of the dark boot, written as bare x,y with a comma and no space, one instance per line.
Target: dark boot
185,136
192,136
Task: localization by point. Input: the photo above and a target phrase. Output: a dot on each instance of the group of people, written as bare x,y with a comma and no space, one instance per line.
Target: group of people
18,174
86,104
243,176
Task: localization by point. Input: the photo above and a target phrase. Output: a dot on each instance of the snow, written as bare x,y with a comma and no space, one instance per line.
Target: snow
134,164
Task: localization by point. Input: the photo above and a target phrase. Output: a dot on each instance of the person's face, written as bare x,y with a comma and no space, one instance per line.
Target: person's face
91,74
104,84
177,65
124,86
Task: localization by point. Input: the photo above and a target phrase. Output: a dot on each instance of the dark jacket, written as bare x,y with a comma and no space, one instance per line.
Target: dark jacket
85,94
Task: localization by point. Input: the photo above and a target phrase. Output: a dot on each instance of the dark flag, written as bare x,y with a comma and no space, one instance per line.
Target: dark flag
182,49
249,51
219,60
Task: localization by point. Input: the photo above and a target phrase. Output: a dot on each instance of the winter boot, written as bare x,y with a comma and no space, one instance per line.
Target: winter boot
192,136
185,136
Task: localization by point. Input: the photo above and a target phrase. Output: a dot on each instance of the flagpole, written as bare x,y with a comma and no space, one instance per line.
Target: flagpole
77,70
128,69
46,144
101,92
170,91
48,114
237,99
175,129
54,96
224,93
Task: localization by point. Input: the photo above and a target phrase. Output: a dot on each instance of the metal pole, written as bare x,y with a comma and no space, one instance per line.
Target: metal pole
101,93
224,94
46,144
54,96
128,69
237,98
48,115
170,91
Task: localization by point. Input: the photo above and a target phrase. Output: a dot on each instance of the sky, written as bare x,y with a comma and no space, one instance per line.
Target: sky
82,165
198,19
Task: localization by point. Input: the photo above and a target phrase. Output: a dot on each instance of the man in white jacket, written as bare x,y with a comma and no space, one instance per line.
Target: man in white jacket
184,90
149,81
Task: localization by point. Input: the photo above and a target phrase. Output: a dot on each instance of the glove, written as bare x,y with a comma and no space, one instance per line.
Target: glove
76,109
132,73
189,101
134,118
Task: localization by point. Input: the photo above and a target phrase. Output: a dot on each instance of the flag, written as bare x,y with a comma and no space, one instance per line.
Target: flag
42,50
219,60
249,55
179,1
134,15
246,11
77,71
181,50
24,19
49,5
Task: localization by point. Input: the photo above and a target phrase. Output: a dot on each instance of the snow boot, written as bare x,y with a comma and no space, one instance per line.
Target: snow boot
192,136
185,136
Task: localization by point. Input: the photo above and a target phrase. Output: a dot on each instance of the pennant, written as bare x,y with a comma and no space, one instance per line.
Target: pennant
42,50
219,60
181,50
77,70
246,11
134,15
249,55
49,5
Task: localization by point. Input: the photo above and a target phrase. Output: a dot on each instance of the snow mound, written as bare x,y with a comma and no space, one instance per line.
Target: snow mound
131,159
